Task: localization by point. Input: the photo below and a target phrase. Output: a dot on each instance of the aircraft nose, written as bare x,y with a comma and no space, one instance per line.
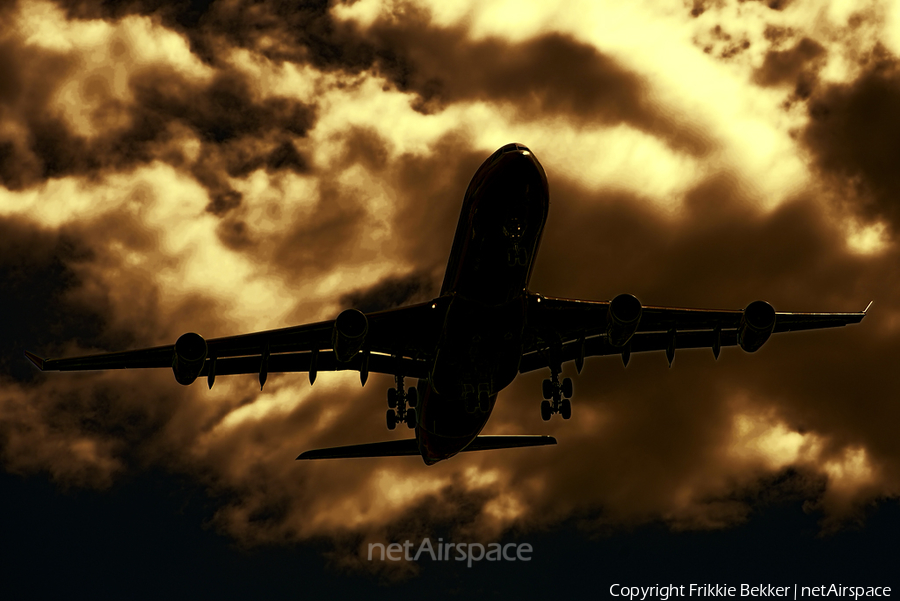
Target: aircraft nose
513,147
517,161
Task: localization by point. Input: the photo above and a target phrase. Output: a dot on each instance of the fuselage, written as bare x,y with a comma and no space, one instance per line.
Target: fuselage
486,282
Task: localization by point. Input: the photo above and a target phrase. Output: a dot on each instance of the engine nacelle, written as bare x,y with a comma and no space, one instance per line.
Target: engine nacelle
622,319
190,354
349,334
756,326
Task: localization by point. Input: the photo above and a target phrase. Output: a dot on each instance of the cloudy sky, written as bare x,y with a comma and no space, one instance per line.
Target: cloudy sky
224,167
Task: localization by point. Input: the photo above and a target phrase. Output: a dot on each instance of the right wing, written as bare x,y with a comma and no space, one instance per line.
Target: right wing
397,342
561,329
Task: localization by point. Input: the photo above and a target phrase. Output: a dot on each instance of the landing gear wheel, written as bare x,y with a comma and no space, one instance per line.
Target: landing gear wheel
410,418
392,398
391,419
470,403
545,411
412,397
567,388
565,409
522,256
484,402
547,388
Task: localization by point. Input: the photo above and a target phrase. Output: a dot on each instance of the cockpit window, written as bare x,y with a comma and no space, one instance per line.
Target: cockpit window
512,147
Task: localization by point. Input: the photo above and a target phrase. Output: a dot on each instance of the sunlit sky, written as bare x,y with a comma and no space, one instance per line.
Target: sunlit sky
249,166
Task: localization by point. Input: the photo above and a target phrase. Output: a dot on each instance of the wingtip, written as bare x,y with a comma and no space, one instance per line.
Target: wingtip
38,362
866,310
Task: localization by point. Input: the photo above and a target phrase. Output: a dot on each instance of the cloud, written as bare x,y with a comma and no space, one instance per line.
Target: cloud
36,268
390,293
852,135
83,120
274,29
553,74
795,66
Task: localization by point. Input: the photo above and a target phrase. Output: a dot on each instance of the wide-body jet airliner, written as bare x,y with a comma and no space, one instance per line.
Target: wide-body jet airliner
469,343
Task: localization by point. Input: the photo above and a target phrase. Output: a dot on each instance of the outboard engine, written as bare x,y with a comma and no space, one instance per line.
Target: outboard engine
757,324
622,319
349,334
190,354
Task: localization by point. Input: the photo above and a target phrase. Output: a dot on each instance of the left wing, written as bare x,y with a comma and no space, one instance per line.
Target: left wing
396,341
560,330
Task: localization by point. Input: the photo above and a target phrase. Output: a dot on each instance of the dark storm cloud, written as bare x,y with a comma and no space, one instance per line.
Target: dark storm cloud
325,239
238,131
86,428
774,4
61,299
391,292
11,84
698,7
431,188
19,167
285,156
37,277
553,74
854,137
279,30
717,41
428,190
796,66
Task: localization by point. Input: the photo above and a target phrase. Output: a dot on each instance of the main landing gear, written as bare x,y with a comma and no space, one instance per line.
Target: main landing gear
560,395
397,401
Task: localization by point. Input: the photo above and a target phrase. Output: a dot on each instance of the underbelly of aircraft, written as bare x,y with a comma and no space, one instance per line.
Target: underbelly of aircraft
478,357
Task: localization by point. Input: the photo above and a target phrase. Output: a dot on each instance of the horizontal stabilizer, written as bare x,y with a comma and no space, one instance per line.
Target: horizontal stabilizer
388,448
489,443
397,448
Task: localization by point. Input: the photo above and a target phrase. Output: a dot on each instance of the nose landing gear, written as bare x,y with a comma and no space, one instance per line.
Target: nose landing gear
398,401
515,254
480,401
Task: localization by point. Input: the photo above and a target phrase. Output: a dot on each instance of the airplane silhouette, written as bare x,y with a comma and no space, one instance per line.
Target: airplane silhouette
469,343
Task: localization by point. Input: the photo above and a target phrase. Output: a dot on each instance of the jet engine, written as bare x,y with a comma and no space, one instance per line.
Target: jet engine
756,326
190,354
350,330
622,319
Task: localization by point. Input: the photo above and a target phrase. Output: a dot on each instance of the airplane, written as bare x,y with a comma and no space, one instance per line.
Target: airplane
469,343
